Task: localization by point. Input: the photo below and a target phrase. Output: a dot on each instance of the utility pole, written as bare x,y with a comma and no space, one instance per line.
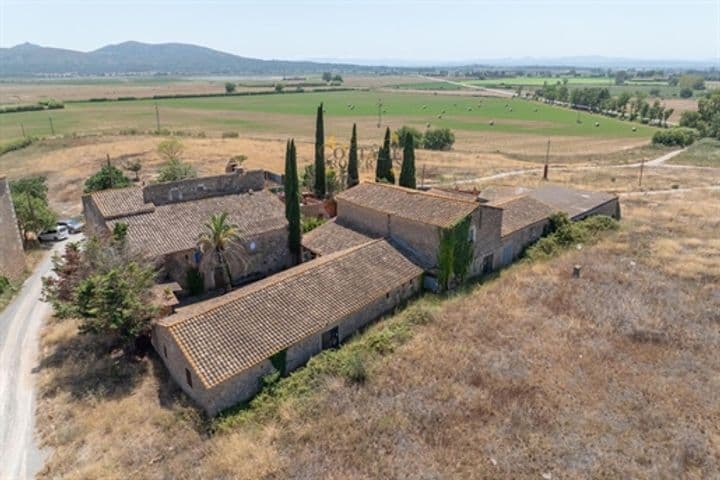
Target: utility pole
157,117
52,129
642,165
379,112
547,161
22,127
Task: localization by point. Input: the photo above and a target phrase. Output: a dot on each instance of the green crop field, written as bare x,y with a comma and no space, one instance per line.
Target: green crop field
290,113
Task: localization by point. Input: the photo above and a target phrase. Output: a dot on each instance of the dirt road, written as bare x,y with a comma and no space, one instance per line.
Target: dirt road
20,324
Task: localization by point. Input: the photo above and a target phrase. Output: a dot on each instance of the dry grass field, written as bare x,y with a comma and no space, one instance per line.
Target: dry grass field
67,162
509,393
612,375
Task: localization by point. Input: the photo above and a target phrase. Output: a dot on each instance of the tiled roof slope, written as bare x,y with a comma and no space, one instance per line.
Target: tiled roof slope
331,237
175,227
409,204
569,200
521,212
121,202
224,336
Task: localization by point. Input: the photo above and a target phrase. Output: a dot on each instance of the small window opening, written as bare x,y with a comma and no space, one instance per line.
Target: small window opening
188,378
165,351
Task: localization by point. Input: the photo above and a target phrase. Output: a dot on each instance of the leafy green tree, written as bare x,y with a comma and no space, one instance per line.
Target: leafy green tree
119,302
353,176
33,214
35,186
337,78
230,87
407,171
327,76
403,131
686,92
439,139
292,202
620,77
174,168
108,177
383,169
319,186
106,287
214,241
134,166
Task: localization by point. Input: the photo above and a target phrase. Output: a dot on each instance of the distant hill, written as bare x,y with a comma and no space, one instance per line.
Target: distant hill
136,57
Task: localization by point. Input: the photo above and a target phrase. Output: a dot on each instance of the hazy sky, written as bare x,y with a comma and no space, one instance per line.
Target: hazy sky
391,29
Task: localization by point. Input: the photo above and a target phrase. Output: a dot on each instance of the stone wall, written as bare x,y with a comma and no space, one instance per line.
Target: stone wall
94,221
487,221
516,243
247,383
610,208
12,255
250,259
204,187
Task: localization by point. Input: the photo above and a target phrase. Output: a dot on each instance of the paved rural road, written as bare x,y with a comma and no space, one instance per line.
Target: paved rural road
20,324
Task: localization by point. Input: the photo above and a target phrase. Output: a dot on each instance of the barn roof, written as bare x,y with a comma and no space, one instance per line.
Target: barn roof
570,200
175,227
422,207
331,237
222,337
521,212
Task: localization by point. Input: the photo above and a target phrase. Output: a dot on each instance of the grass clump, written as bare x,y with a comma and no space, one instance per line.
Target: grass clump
565,234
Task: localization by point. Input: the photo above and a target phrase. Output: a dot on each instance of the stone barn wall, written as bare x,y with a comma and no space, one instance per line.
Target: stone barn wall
204,187
12,255
246,384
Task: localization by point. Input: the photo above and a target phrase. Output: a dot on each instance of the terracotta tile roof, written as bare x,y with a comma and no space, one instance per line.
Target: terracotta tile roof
569,200
224,336
121,202
407,203
521,212
331,237
452,193
175,227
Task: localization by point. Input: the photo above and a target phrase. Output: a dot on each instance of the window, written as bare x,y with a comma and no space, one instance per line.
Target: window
201,187
175,194
472,234
330,339
165,351
188,378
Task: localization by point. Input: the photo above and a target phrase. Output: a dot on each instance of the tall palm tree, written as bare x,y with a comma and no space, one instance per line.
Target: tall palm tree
219,234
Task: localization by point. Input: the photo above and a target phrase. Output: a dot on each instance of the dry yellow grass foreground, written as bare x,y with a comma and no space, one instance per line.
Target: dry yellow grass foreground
612,375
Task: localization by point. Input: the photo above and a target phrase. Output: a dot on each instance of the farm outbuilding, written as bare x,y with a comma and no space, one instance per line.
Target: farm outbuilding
219,350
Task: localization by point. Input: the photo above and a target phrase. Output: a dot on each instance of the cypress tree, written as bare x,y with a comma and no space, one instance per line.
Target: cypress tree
320,189
407,172
292,202
353,177
384,171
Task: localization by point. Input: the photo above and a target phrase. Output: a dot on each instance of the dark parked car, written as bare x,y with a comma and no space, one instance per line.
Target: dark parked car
73,226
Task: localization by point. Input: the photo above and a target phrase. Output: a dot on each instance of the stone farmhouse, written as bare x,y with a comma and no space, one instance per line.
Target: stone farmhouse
383,247
12,256
219,350
164,221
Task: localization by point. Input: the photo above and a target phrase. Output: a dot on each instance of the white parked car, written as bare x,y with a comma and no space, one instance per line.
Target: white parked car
54,234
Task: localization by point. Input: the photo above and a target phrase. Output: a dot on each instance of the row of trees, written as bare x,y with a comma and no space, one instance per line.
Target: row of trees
32,210
595,99
706,120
